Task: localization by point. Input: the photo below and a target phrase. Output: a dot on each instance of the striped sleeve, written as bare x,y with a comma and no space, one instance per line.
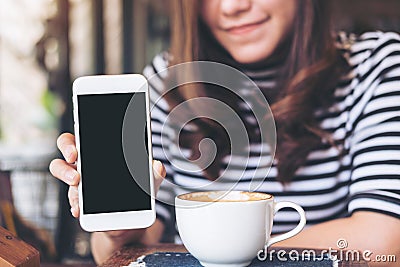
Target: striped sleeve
375,119
155,74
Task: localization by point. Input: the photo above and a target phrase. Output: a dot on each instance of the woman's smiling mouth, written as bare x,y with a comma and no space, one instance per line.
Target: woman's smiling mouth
246,27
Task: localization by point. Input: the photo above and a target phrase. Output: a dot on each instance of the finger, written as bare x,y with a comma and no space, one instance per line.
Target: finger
75,211
73,197
64,171
159,174
66,144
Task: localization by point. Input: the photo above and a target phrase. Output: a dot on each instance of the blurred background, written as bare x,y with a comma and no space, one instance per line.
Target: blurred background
44,46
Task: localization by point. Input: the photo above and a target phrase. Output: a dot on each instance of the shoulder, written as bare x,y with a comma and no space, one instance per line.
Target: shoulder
158,66
156,72
368,50
374,60
372,84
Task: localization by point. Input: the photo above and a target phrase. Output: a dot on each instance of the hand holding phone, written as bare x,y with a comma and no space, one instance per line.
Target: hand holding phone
112,130
65,169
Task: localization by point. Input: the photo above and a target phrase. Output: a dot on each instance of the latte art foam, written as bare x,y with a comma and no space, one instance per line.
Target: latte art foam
223,196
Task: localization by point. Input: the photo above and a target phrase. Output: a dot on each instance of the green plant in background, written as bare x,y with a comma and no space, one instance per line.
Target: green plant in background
54,107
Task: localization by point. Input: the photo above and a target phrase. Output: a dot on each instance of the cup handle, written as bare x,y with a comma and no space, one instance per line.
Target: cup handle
293,232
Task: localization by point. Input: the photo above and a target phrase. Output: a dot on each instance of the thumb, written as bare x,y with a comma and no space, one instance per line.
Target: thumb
159,174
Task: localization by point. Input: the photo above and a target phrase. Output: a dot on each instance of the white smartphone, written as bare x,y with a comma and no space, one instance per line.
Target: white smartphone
113,138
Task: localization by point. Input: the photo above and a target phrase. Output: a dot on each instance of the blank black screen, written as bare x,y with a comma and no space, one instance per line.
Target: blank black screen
107,183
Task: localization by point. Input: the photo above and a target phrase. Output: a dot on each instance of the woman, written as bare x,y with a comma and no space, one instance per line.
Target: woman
335,104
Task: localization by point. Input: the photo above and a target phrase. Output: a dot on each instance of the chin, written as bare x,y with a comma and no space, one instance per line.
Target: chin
250,57
249,60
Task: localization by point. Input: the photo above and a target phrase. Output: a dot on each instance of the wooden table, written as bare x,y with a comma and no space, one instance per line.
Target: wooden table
15,252
128,254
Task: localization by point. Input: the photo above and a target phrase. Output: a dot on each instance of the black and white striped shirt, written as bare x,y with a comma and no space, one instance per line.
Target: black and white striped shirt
365,114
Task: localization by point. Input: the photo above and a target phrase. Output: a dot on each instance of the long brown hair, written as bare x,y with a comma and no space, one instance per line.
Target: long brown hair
312,67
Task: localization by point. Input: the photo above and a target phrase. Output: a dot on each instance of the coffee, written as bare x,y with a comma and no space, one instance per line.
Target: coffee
229,228
221,196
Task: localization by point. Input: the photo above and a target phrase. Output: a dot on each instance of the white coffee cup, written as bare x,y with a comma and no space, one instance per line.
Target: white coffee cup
229,228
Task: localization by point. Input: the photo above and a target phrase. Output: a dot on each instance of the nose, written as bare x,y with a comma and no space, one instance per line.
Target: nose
234,7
